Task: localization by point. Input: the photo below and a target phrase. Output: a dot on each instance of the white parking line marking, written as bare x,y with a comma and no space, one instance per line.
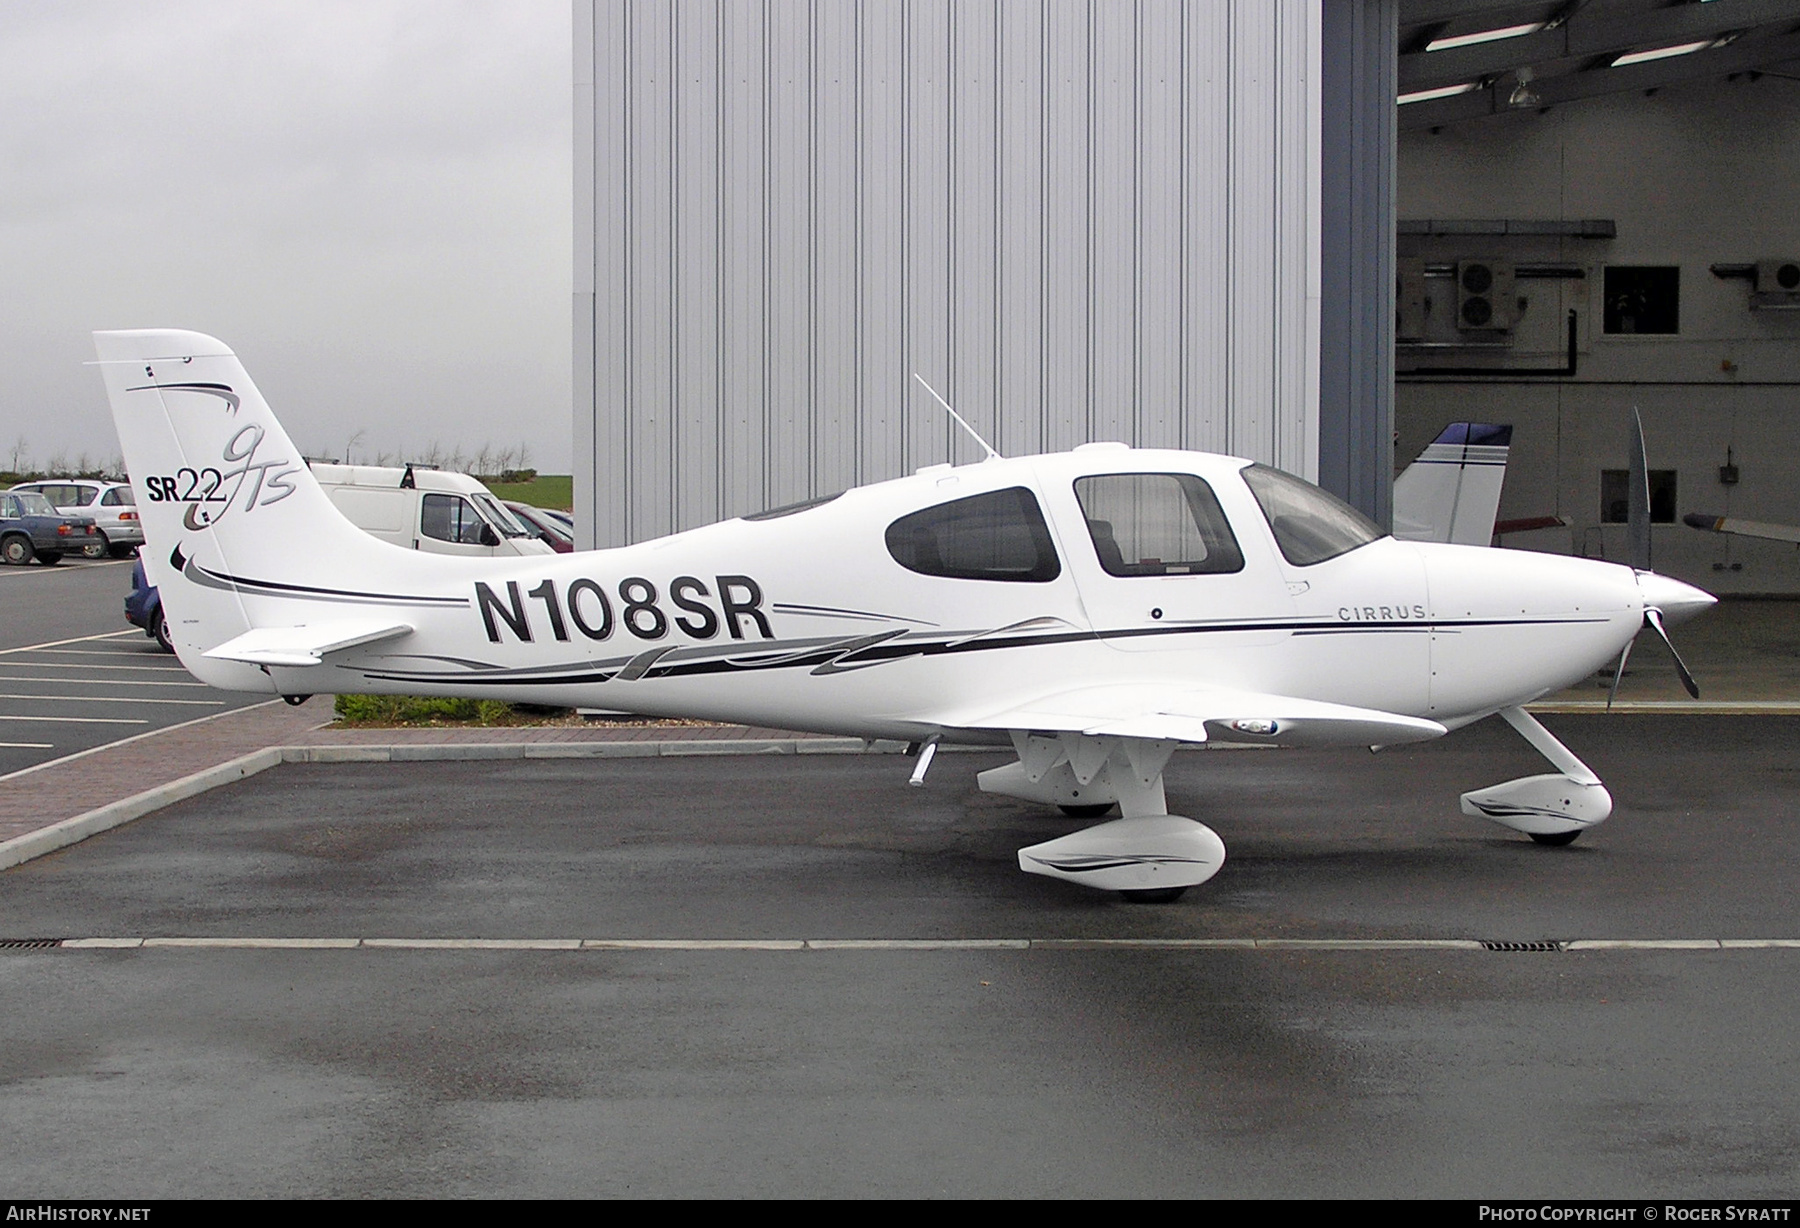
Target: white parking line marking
117,653
117,699
61,569
49,764
28,745
136,669
78,720
80,639
1345,945
98,681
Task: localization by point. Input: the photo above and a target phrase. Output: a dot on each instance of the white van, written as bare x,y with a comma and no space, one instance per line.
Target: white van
426,509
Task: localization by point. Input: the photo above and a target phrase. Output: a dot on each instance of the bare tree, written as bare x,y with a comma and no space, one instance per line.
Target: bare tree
20,450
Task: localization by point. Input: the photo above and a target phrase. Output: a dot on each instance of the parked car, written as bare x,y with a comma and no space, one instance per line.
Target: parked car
111,504
143,608
548,529
426,509
31,528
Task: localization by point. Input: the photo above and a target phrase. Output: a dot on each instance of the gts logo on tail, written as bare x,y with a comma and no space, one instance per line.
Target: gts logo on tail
220,486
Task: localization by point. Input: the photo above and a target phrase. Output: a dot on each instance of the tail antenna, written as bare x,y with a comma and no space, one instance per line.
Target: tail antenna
973,434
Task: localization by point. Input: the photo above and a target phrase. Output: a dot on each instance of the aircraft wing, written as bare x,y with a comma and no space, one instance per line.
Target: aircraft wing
305,645
1205,714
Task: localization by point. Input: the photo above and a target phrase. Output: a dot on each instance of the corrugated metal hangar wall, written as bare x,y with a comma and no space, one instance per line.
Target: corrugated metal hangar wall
1076,220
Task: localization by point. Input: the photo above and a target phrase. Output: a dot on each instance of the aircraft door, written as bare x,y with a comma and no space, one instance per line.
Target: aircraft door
1159,567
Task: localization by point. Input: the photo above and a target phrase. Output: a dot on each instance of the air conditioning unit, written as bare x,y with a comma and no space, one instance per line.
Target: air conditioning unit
1777,285
1485,302
1412,305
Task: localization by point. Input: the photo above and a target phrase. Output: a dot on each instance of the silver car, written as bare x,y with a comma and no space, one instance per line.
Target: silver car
111,504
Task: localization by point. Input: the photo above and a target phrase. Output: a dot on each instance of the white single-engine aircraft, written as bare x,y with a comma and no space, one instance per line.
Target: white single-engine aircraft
1095,609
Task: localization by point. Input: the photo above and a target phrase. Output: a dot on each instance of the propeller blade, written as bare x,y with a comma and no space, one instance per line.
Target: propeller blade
1624,656
1637,508
1654,617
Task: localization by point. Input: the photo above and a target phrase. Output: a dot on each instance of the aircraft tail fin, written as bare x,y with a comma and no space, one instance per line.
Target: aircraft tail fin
1451,493
230,510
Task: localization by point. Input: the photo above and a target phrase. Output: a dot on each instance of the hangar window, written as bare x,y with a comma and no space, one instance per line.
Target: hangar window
1309,525
1615,496
1644,299
997,536
1157,524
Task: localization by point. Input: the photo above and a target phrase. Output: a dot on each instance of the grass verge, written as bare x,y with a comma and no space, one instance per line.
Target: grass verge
552,490
390,710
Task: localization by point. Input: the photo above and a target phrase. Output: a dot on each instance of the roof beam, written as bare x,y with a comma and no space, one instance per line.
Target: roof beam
1741,56
1415,13
1583,36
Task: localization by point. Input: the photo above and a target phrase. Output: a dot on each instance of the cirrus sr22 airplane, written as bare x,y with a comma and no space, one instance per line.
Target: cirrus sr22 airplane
1093,609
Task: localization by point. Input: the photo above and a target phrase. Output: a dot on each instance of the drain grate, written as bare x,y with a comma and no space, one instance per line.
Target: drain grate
19,944
1523,946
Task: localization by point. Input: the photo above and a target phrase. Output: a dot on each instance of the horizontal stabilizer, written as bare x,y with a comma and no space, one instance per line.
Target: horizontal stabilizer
1205,715
1744,528
305,645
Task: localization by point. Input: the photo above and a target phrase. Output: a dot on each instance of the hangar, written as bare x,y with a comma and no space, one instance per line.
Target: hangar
1202,226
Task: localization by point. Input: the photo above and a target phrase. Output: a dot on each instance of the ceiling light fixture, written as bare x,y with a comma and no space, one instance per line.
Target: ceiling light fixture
1443,91
1485,36
1523,95
1662,53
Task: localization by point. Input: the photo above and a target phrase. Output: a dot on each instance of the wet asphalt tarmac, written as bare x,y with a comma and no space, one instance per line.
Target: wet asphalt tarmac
1038,1072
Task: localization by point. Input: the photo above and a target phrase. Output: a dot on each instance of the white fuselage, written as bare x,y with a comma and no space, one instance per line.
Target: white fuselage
807,621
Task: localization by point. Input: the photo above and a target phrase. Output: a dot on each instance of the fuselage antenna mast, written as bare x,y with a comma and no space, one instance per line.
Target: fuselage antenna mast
991,454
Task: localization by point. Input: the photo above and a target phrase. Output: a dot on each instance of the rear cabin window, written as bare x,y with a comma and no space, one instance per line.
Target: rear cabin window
1310,525
118,496
997,536
1157,524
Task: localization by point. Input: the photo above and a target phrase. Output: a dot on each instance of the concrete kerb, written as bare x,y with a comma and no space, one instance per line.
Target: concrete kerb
69,831
116,814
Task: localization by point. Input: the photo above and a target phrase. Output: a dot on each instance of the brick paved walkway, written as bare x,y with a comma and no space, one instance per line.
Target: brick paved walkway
48,793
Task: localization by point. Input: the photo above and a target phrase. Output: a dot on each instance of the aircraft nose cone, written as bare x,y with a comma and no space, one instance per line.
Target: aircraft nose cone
1677,601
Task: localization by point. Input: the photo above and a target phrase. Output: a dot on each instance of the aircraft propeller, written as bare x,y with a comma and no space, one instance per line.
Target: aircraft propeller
1660,592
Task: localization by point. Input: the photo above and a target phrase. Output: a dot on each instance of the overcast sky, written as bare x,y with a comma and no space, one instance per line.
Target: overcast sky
368,201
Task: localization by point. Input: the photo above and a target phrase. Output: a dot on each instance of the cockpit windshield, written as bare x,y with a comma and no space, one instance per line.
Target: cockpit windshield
1310,525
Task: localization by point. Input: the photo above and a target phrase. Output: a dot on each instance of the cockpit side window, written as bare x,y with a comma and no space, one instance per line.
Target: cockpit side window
1310,525
1157,524
997,536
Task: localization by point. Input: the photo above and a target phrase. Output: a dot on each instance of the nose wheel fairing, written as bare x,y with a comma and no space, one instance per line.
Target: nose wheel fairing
1565,802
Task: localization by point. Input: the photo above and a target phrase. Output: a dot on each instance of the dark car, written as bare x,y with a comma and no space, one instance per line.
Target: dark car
546,526
31,528
111,504
143,608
